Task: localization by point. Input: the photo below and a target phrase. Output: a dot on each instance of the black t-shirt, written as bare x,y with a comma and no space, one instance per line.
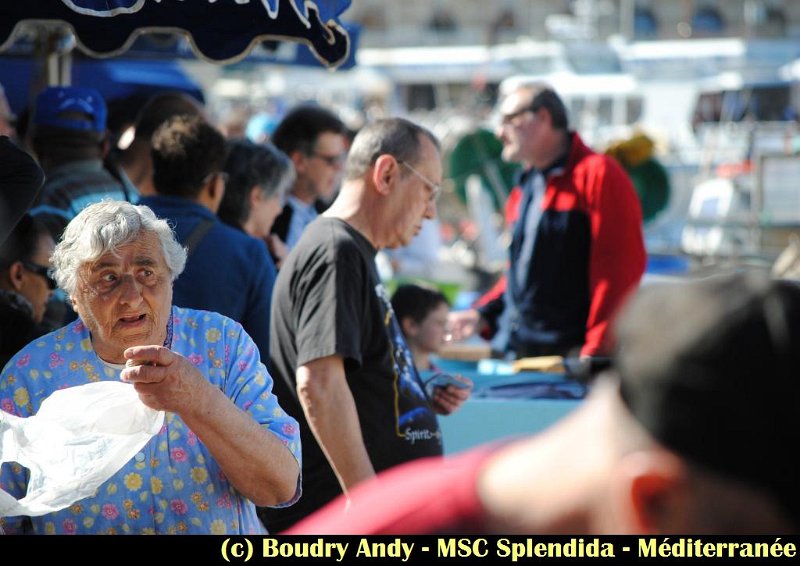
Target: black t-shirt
328,299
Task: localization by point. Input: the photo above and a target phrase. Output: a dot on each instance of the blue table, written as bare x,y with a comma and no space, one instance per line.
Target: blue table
505,404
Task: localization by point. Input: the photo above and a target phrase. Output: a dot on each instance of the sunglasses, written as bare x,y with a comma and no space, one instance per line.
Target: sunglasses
506,119
40,270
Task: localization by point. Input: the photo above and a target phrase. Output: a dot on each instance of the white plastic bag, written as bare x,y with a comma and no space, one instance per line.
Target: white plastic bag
80,437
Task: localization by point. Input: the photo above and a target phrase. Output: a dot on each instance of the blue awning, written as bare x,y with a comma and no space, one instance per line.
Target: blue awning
219,31
113,78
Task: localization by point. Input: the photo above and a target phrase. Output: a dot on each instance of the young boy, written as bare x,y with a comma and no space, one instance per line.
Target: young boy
422,313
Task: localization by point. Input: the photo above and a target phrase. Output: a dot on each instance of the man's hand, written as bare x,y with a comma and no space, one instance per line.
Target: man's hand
464,324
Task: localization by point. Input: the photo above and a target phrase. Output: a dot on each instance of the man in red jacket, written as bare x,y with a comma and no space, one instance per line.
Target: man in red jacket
577,247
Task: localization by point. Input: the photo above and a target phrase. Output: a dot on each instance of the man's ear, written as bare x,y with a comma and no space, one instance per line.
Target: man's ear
384,173
544,115
215,189
299,161
655,484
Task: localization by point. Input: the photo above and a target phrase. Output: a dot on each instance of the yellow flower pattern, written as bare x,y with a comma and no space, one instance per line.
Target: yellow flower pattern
133,482
21,397
199,475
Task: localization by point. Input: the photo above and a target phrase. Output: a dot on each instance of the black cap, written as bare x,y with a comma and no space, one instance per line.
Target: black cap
711,368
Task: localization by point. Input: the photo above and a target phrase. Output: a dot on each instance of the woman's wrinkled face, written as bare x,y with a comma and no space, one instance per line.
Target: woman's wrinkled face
124,298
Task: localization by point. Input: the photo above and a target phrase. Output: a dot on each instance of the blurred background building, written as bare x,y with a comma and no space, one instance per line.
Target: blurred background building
471,22
710,89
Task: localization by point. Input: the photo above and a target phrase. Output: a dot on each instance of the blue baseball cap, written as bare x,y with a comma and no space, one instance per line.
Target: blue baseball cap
55,101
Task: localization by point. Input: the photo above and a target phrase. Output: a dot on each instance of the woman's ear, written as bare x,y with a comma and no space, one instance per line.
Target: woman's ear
16,276
254,196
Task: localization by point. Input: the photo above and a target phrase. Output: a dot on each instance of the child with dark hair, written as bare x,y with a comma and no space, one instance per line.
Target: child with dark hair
422,312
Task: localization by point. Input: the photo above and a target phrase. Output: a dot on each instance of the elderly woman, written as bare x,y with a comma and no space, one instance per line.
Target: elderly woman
259,177
226,445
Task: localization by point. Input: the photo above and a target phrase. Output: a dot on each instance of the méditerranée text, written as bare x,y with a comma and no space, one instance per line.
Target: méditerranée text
244,549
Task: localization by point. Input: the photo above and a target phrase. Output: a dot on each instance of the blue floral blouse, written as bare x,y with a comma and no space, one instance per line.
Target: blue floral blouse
173,485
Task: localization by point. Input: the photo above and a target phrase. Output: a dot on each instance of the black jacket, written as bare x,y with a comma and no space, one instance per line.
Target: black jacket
17,327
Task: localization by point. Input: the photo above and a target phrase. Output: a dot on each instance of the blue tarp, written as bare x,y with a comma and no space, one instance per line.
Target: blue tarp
220,31
113,78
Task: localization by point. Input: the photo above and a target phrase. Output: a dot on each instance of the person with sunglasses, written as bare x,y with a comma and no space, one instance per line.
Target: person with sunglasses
25,285
577,248
315,139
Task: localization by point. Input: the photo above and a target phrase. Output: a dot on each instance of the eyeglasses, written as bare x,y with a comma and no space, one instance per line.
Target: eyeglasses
40,270
506,119
436,190
331,160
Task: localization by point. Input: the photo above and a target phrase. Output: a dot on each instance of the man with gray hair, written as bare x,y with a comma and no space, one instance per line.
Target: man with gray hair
341,364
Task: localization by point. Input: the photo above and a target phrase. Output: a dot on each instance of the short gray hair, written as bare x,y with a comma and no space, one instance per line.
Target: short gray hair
398,137
104,227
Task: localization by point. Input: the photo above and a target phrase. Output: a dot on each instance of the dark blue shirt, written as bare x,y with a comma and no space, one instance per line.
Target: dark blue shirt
228,271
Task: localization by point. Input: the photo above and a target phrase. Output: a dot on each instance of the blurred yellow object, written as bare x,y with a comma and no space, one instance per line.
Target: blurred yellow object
632,151
548,364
